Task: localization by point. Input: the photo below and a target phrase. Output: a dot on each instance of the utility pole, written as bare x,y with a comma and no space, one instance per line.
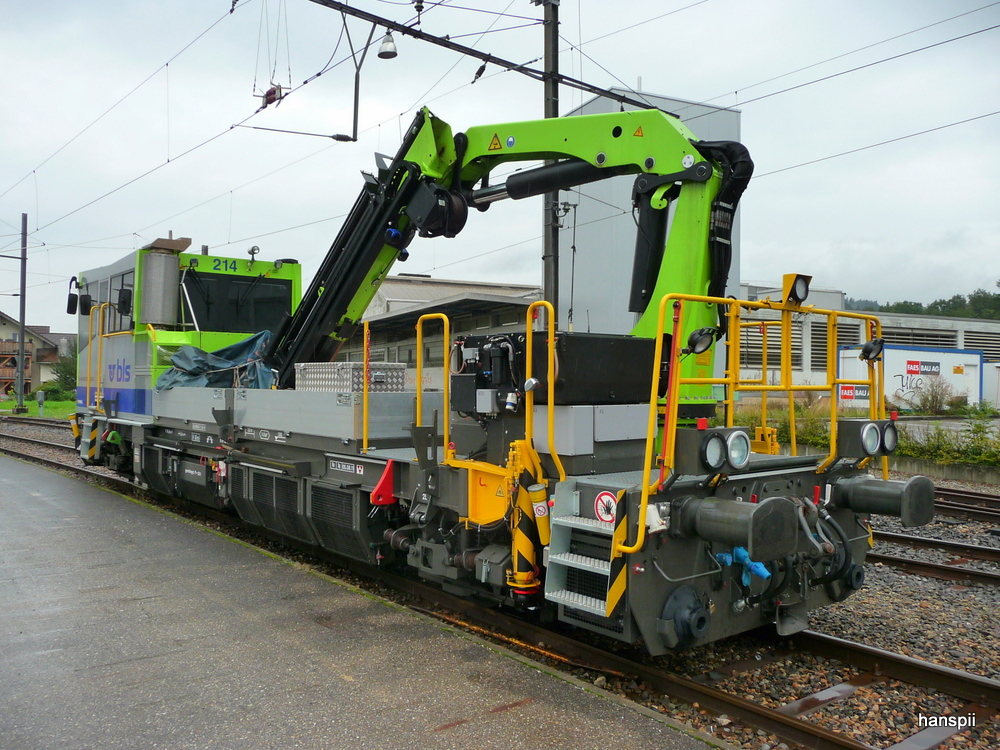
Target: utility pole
19,383
550,206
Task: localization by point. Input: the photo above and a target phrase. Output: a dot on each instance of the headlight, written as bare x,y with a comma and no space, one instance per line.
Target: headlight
713,451
863,438
871,440
890,438
716,450
739,449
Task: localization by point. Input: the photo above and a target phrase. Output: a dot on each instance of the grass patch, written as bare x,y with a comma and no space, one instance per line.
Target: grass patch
53,409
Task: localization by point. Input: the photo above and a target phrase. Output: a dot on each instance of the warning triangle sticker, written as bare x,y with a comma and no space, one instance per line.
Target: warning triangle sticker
500,490
638,132
495,143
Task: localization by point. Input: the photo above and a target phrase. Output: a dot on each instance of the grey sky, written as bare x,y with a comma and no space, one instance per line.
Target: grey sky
911,219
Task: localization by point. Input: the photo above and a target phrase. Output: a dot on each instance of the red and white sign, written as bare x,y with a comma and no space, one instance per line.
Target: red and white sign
605,505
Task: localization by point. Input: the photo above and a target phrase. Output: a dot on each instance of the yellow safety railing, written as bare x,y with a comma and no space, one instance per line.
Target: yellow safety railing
550,383
449,451
734,383
90,351
100,353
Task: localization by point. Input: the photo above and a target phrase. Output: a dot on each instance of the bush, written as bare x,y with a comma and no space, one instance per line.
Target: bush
54,392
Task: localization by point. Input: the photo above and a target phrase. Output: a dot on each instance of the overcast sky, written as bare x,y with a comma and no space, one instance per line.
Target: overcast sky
106,146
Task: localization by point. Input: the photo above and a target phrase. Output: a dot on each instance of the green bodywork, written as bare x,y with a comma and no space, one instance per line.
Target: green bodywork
210,341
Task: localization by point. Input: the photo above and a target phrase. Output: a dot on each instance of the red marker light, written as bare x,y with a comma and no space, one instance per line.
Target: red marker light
702,423
894,415
753,498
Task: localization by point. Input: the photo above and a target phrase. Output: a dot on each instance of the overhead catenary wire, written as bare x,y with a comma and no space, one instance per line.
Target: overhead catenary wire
794,166
169,159
113,106
840,56
876,145
328,66
519,68
857,68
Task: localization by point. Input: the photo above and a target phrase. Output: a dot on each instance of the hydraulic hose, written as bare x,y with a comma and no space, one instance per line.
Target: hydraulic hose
770,589
848,558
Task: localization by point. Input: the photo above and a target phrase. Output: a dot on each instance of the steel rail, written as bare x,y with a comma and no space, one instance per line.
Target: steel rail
682,688
971,687
121,485
969,497
36,441
39,421
937,570
968,512
972,551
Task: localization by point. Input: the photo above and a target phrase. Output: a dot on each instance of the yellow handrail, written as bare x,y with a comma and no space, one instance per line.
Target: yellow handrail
448,450
734,383
654,391
90,351
529,396
99,391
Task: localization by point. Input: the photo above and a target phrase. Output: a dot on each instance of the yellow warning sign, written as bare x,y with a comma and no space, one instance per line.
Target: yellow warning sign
499,492
638,132
495,143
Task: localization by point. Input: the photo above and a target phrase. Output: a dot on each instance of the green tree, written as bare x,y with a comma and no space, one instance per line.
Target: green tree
65,370
912,308
956,307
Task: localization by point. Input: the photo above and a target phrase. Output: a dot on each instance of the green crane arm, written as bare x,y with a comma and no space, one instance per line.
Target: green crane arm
435,177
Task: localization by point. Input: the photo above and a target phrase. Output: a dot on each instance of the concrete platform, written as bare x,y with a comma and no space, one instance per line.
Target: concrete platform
125,627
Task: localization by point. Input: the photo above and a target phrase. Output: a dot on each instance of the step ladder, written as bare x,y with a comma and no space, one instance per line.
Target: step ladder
600,587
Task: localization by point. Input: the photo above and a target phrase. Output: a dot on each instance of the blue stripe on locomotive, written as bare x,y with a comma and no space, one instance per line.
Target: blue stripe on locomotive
130,400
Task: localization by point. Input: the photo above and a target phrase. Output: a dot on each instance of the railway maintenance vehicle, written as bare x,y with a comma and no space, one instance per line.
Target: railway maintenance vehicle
599,480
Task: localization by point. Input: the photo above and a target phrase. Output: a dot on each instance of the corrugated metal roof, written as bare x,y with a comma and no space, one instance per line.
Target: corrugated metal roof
400,292
422,289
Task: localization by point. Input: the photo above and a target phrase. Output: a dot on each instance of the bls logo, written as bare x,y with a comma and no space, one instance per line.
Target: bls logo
119,372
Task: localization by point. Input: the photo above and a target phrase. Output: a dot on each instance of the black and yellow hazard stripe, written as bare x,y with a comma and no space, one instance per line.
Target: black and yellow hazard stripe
74,426
617,575
524,541
92,442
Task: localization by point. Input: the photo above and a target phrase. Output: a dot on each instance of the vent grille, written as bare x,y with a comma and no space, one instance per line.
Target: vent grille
331,511
920,337
238,494
848,334
587,583
153,471
608,625
262,493
752,344
238,482
286,508
986,341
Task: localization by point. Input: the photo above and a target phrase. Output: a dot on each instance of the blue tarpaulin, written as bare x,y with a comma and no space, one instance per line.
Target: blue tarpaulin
235,366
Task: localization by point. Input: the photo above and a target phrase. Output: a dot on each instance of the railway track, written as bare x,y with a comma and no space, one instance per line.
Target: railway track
38,421
788,722
953,570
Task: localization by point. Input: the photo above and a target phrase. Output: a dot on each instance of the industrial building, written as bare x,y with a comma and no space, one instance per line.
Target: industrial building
488,308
